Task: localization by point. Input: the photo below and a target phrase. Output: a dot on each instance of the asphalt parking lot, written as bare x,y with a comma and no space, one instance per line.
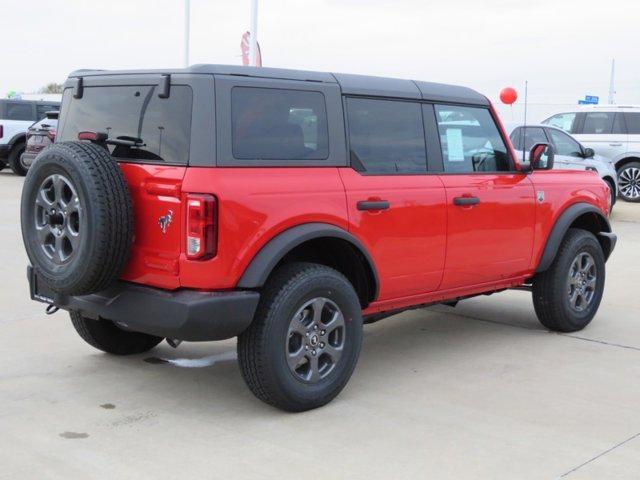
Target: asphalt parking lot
476,391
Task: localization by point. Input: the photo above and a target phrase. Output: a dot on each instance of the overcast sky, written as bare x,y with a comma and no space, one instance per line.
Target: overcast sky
562,47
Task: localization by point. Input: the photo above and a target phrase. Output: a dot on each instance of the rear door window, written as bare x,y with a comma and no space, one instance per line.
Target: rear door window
633,122
150,129
599,123
19,111
470,140
278,124
386,136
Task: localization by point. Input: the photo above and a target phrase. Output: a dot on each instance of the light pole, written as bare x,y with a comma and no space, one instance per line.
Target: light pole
187,30
253,38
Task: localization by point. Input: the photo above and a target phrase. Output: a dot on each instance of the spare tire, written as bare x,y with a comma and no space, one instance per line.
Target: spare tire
77,218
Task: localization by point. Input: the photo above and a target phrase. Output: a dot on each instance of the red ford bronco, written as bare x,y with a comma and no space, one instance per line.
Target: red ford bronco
288,208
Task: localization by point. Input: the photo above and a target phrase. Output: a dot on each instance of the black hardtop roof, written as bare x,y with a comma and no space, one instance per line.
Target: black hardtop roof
349,83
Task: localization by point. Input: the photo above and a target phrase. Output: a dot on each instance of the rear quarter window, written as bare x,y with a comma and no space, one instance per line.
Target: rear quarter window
278,124
159,127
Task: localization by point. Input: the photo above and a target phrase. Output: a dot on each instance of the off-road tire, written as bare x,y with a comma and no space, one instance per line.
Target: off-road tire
106,222
3,164
551,288
106,336
14,159
261,348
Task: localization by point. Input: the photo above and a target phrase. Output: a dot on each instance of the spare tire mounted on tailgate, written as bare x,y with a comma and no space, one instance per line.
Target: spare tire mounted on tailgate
77,218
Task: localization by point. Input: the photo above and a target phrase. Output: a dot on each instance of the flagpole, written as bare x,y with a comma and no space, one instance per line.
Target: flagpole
253,38
187,30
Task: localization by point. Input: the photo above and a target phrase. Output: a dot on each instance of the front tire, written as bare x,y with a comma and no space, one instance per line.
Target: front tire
305,339
106,336
566,297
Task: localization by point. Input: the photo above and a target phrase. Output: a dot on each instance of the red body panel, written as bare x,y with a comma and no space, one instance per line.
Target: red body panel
254,205
425,248
155,192
490,241
407,241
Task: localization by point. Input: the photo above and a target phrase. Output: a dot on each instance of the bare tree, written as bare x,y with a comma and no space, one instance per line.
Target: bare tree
51,88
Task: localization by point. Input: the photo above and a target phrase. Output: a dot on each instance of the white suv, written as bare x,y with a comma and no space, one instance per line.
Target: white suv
16,116
613,131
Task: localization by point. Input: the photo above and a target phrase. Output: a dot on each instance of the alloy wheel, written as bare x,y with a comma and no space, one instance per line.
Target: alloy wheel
58,218
629,182
315,340
581,283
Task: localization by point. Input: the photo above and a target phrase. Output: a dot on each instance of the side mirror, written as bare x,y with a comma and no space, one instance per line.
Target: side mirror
541,157
589,152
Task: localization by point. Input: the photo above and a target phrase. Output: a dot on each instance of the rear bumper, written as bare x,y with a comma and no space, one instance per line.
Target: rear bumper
182,314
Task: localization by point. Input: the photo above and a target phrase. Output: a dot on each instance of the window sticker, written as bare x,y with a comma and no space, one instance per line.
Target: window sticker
455,148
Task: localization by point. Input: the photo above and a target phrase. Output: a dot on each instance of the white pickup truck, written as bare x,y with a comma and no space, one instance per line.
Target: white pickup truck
16,116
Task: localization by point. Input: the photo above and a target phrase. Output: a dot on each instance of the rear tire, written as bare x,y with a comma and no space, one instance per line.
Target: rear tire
14,159
566,297
106,336
305,339
629,182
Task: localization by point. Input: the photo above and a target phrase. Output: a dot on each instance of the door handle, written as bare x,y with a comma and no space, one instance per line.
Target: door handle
615,144
365,205
466,201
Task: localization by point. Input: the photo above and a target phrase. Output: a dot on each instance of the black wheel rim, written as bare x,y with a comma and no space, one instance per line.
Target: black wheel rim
629,183
582,282
315,340
58,219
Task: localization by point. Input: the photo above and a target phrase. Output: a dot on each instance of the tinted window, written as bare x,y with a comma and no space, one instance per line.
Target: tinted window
598,122
159,128
470,140
563,121
530,135
278,124
633,122
43,109
386,136
564,144
18,111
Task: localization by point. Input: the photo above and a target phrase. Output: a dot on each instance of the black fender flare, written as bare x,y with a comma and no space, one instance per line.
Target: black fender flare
18,138
559,230
263,263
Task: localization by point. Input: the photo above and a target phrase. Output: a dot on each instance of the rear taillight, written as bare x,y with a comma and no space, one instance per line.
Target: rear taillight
1,131
201,227
52,135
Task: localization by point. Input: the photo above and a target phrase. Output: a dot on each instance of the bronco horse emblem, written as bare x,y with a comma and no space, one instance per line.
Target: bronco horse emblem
165,221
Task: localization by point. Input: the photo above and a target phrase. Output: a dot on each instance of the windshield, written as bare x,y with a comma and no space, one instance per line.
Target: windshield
151,129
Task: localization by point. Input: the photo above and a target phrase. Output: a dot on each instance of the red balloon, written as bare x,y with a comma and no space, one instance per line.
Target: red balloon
508,95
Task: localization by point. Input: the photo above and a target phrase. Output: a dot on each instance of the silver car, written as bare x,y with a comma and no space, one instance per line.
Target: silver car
569,153
613,131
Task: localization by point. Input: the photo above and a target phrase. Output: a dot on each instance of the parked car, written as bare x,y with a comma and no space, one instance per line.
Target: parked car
16,116
569,153
40,135
287,208
613,131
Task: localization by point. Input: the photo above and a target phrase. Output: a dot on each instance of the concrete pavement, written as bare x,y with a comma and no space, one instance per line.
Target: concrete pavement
476,391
